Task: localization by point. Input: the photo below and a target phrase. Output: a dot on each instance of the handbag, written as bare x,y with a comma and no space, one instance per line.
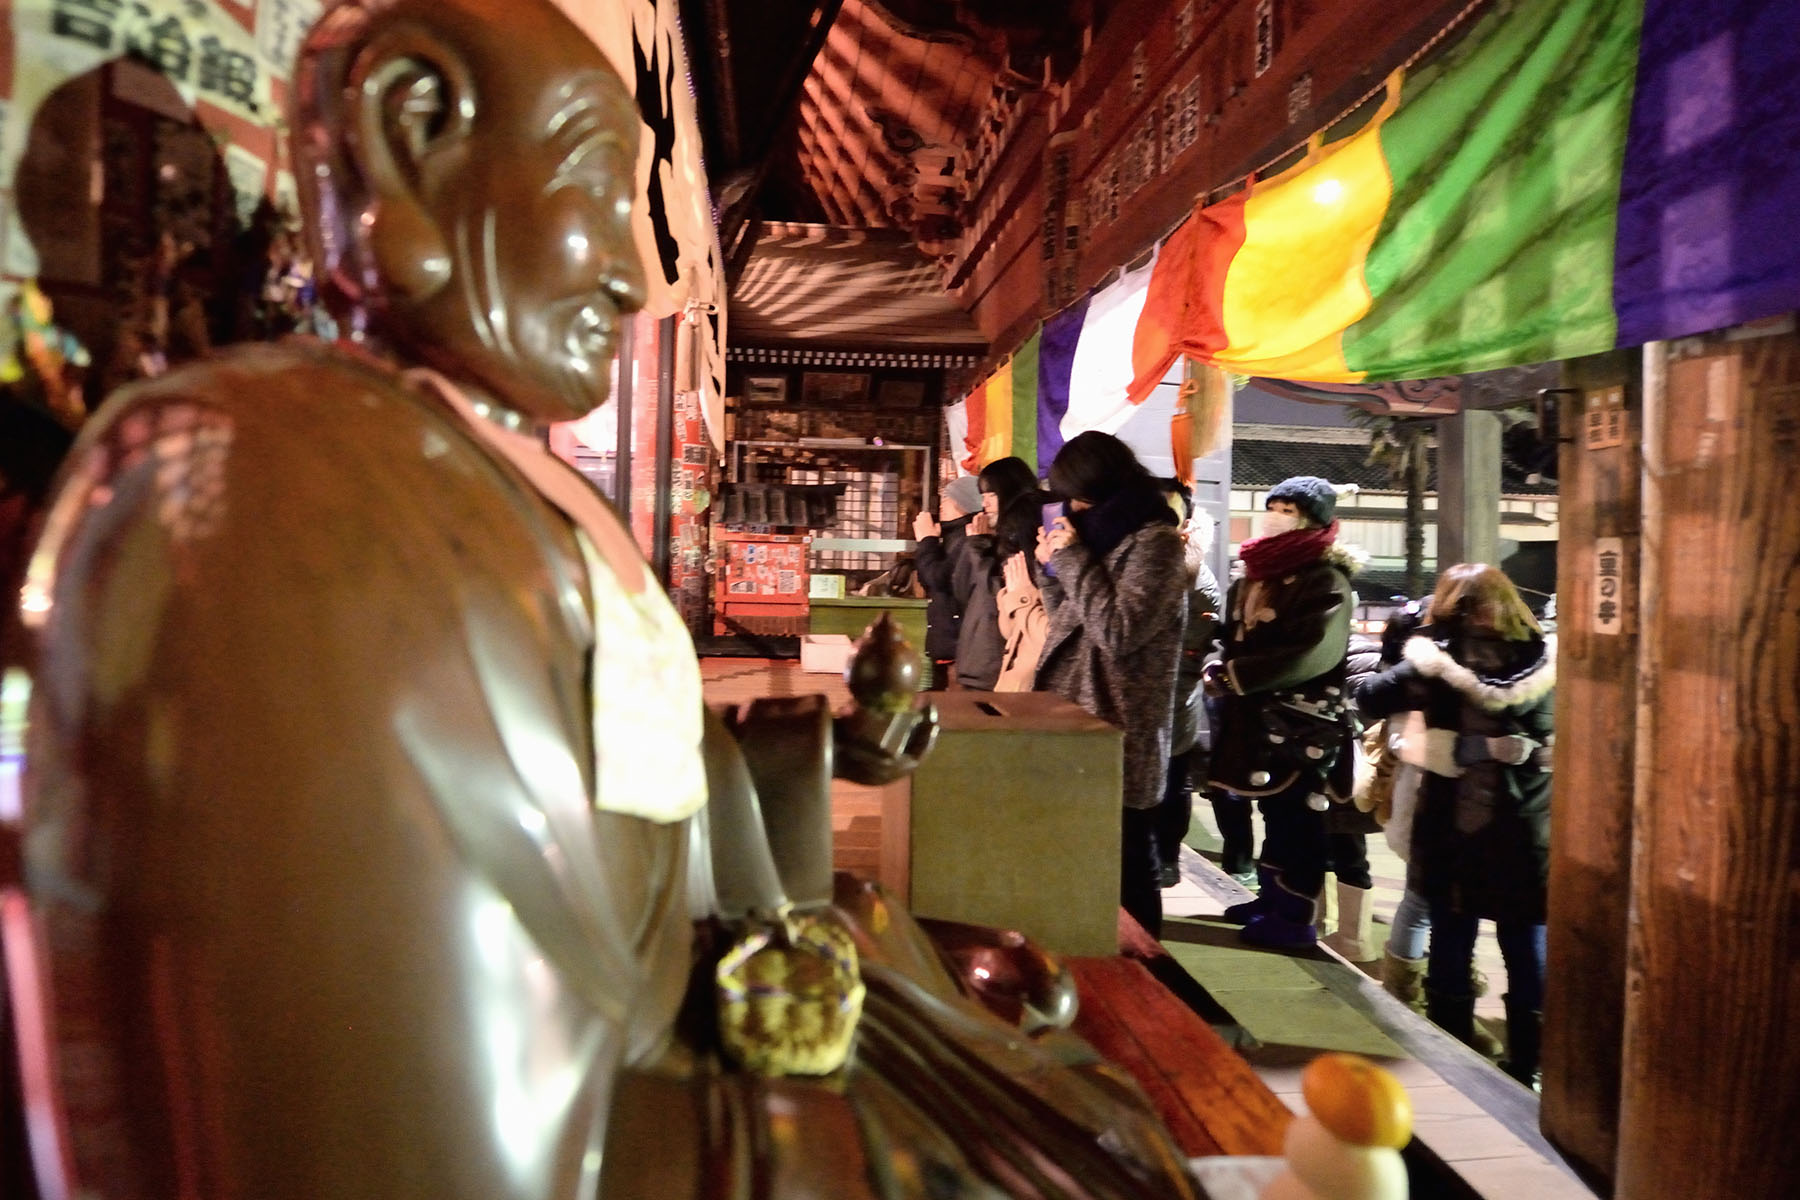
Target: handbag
1307,731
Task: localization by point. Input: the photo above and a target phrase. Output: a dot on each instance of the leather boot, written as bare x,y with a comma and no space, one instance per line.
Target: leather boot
1524,1026
1455,1015
1354,938
1249,910
1404,979
1286,923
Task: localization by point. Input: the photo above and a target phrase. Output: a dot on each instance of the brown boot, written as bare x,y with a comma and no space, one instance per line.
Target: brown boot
1404,979
1484,1043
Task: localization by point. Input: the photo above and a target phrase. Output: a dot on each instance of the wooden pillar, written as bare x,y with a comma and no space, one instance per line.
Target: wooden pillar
1596,710
1711,1097
1468,514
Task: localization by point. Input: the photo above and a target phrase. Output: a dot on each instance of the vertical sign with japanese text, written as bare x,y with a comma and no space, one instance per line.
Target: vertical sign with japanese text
1609,586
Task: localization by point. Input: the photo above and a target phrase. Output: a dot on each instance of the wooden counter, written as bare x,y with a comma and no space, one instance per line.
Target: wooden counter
1203,1089
1208,1096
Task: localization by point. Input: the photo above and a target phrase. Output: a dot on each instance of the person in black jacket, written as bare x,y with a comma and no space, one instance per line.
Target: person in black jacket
1191,737
1285,721
940,544
1484,675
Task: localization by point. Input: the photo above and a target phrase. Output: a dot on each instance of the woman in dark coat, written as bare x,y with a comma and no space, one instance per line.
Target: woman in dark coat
1117,605
1003,481
1484,676
1190,739
940,545
1285,725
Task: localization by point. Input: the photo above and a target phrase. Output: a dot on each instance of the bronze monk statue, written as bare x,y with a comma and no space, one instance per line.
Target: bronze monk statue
375,841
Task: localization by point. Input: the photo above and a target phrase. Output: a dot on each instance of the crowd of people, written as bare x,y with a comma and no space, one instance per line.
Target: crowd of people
1095,585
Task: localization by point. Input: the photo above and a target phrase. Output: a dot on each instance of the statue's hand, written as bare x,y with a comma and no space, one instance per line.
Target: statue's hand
876,748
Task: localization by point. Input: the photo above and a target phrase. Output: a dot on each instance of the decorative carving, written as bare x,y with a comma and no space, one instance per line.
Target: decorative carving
1027,40
1299,98
1265,36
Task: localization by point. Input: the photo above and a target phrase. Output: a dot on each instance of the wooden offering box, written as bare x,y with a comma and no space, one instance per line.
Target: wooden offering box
1012,821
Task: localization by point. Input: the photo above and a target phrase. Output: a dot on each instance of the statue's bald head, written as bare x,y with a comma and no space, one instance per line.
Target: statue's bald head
466,171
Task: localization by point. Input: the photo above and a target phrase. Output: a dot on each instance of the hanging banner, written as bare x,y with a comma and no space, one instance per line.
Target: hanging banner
207,52
1568,177
281,25
674,218
230,61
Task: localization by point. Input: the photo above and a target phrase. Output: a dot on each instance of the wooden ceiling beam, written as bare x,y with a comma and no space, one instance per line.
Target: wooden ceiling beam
732,223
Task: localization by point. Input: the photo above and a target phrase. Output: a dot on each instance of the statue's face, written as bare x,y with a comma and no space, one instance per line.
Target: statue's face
535,215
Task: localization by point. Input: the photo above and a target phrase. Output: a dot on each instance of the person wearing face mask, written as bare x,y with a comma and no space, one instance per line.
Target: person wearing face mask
1285,720
1117,609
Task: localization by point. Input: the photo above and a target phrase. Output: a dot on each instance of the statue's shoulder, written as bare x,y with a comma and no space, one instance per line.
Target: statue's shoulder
299,390
299,422
270,450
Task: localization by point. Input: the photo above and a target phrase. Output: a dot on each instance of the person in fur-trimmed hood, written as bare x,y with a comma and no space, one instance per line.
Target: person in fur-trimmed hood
1483,676
1285,722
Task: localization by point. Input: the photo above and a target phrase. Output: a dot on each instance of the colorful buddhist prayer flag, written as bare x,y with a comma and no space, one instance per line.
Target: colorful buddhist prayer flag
1569,176
1100,378
1057,342
1563,178
1002,411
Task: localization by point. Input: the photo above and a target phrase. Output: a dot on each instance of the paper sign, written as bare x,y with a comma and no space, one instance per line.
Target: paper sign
1609,586
1603,418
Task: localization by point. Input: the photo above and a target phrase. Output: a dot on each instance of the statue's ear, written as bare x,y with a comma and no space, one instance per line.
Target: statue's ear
410,96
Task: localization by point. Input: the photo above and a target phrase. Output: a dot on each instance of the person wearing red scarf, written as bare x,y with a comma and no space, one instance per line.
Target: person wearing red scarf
1286,726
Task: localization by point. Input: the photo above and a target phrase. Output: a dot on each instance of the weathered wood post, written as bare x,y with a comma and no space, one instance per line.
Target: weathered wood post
1590,816
1468,513
1711,1096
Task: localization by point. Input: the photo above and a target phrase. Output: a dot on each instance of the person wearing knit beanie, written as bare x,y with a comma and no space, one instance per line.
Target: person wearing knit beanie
1316,498
940,546
965,492
1284,736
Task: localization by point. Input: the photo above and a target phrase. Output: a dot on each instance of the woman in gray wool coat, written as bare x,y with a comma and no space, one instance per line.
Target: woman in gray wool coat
1116,601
